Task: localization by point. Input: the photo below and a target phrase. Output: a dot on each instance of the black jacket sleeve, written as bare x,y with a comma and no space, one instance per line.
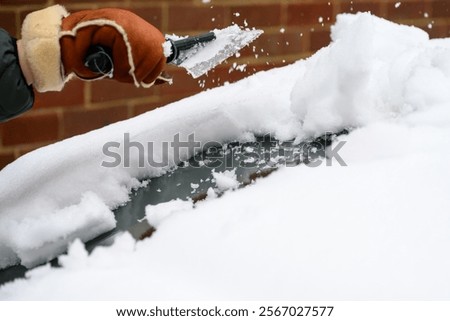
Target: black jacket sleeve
16,97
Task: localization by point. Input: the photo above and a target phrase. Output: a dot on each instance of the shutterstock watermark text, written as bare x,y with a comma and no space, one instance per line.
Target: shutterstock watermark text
266,151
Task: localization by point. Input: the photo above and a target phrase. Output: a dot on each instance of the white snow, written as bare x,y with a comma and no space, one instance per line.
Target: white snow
226,180
375,229
224,46
167,48
37,238
366,76
156,213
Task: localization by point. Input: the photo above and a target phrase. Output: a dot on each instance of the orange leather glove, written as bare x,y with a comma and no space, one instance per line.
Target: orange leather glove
57,43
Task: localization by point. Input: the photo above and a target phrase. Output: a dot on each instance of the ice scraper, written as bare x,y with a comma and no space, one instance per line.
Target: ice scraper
197,54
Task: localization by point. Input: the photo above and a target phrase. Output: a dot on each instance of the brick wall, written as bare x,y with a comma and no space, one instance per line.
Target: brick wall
294,29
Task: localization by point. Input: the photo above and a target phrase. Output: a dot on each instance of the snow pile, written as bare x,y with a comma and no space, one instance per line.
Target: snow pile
34,243
376,229
373,70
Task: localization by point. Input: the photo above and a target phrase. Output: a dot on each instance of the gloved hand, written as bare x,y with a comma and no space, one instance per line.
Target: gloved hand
56,43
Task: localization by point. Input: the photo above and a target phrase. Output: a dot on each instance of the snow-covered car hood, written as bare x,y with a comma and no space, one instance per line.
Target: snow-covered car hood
375,229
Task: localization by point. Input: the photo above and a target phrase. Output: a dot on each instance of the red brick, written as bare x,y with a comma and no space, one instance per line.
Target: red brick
289,42
108,90
152,15
441,9
22,150
22,2
73,5
31,128
143,108
71,95
6,158
188,17
222,74
24,13
304,14
8,22
407,10
319,39
183,83
353,7
437,31
257,15
77,122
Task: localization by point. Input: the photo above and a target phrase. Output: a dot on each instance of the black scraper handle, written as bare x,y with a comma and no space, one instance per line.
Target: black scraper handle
99,60
187,43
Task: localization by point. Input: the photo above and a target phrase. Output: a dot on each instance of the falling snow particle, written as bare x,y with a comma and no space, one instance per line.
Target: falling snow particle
202,83
282,30
320,19
397,4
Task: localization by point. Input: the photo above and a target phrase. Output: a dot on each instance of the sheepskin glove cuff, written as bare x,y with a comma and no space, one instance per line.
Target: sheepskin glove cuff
42,51
57,43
